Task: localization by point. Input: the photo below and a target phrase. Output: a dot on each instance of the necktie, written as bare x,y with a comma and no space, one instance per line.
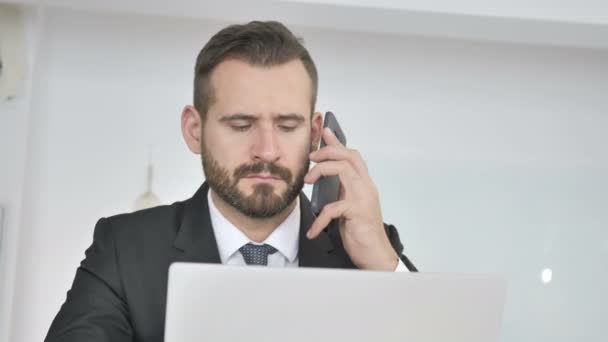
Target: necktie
257,254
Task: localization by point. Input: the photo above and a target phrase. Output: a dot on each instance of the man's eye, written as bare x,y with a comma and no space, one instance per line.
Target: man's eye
287,128
240,128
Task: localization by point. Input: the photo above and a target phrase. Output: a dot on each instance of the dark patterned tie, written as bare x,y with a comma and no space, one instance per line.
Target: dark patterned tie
257,254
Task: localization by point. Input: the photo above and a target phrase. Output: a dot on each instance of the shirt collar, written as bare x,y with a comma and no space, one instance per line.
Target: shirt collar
229,238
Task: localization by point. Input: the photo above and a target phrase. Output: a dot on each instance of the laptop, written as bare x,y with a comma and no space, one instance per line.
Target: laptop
247,303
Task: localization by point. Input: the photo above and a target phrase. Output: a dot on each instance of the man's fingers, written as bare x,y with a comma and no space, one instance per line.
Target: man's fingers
330,138
339,153
341,169
330,211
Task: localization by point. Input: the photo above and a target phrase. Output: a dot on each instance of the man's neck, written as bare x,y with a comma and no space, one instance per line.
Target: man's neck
255,229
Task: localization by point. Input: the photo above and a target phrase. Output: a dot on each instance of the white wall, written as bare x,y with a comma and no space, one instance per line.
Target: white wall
14,128
488,157
13,136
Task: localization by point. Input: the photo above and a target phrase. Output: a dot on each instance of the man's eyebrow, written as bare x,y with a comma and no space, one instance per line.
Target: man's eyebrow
291,116
237,116
250,117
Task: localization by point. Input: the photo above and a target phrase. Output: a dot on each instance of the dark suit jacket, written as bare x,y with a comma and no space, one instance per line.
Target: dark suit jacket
120,288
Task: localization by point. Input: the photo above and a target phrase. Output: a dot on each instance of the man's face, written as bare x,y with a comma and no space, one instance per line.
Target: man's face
257,135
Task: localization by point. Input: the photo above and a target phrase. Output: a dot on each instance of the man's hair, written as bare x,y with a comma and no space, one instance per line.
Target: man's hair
259,43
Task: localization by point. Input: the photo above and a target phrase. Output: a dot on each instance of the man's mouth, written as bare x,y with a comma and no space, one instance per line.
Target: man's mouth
263,177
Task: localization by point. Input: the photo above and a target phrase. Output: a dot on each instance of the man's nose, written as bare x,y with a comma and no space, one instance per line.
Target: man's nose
265,147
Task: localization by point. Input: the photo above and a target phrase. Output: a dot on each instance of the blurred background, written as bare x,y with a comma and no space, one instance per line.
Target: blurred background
484,125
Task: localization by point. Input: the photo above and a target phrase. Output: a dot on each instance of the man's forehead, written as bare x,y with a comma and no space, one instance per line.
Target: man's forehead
238,87
236,68
280,86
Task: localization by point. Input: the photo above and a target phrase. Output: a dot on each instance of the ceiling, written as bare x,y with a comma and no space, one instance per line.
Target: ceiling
568,23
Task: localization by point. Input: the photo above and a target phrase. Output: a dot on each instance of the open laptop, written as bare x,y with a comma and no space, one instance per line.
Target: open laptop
231,303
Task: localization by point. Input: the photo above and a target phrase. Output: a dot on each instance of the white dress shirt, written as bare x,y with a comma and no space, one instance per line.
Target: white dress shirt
284,238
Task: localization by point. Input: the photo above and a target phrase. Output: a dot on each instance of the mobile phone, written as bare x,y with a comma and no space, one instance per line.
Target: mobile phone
327,188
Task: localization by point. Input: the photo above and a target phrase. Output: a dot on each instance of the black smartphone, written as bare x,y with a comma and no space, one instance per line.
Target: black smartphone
327,188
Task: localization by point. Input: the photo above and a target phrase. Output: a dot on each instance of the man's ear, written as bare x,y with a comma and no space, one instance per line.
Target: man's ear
317,129
192,128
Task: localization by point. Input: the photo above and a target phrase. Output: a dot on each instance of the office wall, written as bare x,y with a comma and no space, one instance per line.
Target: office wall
488,157
20,27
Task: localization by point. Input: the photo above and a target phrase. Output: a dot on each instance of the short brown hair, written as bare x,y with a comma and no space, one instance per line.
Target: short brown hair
259,43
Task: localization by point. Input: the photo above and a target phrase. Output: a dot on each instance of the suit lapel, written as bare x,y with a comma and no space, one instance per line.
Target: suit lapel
195,239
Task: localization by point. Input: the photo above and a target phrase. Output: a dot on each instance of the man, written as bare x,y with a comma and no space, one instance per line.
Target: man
254,125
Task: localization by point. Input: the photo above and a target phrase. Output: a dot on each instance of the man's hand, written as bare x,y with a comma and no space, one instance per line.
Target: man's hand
358,208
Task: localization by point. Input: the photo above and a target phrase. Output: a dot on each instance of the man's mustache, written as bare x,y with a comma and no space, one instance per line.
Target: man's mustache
255,168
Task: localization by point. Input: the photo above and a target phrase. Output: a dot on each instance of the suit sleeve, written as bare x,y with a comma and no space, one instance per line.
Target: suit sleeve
95,309
393,237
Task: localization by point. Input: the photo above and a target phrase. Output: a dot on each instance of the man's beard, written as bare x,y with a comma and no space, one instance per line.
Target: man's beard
263,202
